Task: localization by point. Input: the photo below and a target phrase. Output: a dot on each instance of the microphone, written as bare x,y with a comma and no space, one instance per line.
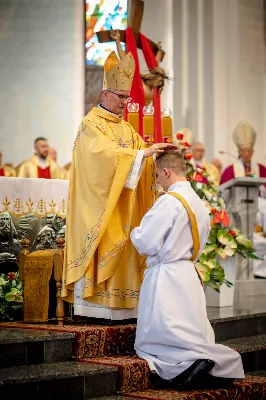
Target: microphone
229,154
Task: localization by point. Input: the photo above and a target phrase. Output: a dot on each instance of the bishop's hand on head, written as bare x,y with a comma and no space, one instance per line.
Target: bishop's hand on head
158,148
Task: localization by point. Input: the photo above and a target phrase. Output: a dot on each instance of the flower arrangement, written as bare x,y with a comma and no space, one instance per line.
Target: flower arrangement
11,297
224,239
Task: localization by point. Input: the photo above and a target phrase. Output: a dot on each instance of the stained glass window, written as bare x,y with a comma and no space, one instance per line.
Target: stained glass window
103,15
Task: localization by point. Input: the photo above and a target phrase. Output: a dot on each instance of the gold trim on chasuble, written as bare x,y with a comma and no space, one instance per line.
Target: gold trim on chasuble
194,227
104,255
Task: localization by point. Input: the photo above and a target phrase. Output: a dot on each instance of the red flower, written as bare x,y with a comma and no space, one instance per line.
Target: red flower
233,233
179,136
214,210
188,156
185,144
221,217
197,177
11,276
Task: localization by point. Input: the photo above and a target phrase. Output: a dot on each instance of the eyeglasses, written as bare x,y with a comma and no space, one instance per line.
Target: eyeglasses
122,97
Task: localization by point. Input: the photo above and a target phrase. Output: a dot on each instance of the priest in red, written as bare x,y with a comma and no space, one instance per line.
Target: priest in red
244,137
40,165
6,170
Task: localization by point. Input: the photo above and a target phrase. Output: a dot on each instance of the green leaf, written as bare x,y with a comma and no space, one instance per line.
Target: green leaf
202,258
209,248
212,284
228,283
230,248
224,237
212,263
3,282
253,256
221,253
14,295
244,241
204,271
217,274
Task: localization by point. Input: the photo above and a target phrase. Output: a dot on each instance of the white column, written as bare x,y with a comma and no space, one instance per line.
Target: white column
225,62
184,61
79,108
157,25
200,71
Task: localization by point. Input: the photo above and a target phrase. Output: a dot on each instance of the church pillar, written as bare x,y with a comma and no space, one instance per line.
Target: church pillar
200,69
157,24
225,76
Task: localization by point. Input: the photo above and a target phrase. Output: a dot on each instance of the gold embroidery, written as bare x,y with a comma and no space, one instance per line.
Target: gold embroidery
30,204
6,204
18,207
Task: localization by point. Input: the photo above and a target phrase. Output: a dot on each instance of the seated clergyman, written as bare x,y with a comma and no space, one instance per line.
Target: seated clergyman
173,332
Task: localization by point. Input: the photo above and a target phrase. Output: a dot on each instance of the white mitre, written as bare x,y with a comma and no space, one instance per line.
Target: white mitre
188,136
244,135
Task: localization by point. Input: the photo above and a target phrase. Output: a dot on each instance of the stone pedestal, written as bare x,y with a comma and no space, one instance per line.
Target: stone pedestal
241,199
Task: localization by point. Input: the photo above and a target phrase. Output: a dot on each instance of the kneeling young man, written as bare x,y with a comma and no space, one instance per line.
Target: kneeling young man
173,332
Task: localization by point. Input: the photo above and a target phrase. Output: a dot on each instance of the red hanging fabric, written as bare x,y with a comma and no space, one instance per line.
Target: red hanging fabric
44,173
152,63
137,91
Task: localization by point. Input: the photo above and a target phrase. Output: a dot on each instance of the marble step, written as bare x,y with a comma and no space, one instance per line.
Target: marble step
239,326
67,380
135,375
27,347
252,350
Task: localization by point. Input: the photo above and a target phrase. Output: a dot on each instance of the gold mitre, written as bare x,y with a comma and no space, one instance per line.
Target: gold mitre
244,135
188,136
118,74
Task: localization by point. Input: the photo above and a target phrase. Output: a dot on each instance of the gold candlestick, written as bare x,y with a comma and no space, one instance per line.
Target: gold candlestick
148,125
167,126
133,115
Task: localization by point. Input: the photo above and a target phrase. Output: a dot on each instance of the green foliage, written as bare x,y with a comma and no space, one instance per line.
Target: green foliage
11,296
224,241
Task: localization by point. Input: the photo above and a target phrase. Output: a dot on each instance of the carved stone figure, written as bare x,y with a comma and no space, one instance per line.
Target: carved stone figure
54,221
61,233
8,235
46,239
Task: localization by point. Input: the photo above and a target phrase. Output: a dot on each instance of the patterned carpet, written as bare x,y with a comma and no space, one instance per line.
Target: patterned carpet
91,340
134,372
252,388
112,345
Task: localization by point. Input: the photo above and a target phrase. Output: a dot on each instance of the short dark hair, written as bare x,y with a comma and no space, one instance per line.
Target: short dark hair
173,160
39,138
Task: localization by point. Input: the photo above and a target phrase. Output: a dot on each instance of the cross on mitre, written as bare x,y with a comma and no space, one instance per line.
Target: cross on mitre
134,21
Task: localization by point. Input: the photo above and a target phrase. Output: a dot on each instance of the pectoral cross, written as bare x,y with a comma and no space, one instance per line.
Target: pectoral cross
134,21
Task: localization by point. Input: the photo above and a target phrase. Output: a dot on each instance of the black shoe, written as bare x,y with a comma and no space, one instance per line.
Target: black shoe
196,372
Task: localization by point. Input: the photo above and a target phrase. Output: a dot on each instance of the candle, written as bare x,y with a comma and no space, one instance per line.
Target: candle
148,124
133,119
133,115
167,126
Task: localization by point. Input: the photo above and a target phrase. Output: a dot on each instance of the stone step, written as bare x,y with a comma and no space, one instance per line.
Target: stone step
135,375
252,388
252,350
67,380
101,341
239,326
27,347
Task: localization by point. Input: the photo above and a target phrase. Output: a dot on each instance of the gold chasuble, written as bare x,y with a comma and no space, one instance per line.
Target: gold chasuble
102,212
33,169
